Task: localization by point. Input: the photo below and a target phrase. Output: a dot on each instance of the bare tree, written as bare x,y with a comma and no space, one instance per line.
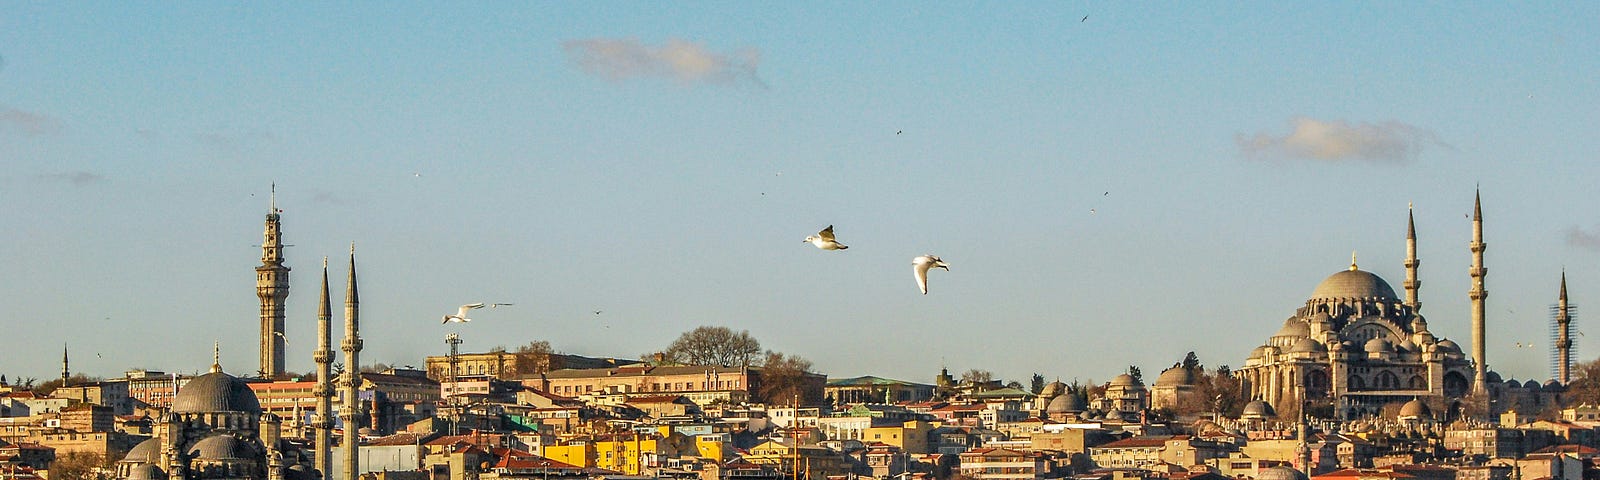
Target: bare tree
977,377
1585,386
709,345
783,378
78,466
533,358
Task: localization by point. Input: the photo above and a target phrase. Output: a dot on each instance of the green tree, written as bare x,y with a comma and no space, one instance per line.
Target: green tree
1133,371
1036,385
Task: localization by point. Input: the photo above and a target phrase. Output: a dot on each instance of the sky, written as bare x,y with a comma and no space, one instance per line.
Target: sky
1112,184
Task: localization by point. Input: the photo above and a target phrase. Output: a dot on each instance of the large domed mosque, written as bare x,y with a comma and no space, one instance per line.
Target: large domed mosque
1356,347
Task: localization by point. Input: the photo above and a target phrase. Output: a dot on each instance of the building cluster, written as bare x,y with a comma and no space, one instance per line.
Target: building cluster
1353,386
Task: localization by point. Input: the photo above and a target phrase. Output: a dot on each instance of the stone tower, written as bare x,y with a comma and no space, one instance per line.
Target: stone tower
1478,294
348,413
322,422
1412,281
1563,335
272,287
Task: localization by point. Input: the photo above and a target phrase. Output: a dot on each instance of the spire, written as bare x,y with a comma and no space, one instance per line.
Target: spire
272,288
1412,283
1479,294
1563,297
216,356
66,369
322,419
1563,334
1477,205
273,206
352,373
1352,260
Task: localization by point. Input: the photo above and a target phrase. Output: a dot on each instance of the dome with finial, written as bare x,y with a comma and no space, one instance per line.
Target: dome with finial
1052,389
148,451
1353,283
146,472
1258,410
216,392
221,447
1175,376
1066,403
1125,380
1415,409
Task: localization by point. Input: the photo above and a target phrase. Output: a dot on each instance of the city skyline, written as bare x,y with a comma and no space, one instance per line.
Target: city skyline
1111,191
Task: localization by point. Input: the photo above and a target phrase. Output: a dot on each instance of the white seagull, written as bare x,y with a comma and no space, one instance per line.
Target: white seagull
824,240
461,316
920,266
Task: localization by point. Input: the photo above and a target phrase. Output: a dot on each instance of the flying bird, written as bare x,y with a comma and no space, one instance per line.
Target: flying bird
1085,19
280,335
597,312
920,266
824,240
461,315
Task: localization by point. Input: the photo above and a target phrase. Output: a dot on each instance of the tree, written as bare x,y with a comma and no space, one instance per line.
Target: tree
1036,385
784,378
78,466
533,358
977,377
379,367
48,387
1133,371
1191,362
709,345
1585,386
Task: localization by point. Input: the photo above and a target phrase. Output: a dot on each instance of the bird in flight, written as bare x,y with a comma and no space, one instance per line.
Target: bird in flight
280,336
597,312
824,240
920,266
1085,19
461,315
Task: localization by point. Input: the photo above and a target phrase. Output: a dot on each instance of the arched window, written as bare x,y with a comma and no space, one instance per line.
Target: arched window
1356,383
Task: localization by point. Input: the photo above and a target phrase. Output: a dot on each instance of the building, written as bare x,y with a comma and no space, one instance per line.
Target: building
1355,347
109,393
869,389
153,389
702,384
1003,464
505,365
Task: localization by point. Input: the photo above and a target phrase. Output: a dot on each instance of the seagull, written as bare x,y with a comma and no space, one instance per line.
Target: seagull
597,312
1085,19
920,266
824,240
280,335
461,316
897,132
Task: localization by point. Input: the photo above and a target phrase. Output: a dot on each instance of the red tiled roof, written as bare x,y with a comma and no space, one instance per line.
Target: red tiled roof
1137,442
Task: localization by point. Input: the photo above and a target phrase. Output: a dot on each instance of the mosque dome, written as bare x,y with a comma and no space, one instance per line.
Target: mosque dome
1280,473
1415,409
148,451
146,472
1052,389
1259,352
1294,327
1378,345
1448,346
1531,385
1125,380
216,392
1353,283
1067,403
1175,376
1308,345
1554,385
1258,409
1491,377
220,447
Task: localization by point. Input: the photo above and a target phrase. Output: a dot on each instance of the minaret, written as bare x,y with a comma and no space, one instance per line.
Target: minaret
1563,335
1478,294
66,370
272,287
1412,282
352,372
322,421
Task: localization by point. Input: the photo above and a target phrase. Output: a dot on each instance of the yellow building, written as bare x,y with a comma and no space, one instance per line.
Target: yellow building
632,453
912,436
577,453
809,461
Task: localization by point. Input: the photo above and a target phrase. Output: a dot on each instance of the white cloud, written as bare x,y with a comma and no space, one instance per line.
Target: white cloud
1577,237
1337,140
682,60
28,123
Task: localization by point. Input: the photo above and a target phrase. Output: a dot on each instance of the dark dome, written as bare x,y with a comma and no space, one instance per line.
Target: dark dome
146,472
1554,385
1280,473
1065,403
1175,376
220,447
1353,284
1258,409
148,451
216,392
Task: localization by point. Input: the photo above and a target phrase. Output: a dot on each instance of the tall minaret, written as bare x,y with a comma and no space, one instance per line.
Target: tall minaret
66,370
1412,282
272,287
352,372
1478,294
1563,335
323,420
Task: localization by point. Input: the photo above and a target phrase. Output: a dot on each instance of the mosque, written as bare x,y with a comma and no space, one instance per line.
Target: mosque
216,428
1356,347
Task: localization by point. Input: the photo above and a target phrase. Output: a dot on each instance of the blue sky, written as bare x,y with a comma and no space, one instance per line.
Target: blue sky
1115,190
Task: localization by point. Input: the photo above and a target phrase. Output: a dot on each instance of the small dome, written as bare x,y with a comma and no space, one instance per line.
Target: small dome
148,451
1175,376
1353,284
1067,403
1294,327
1258,410
1125,380
1491,377
220,447
1407,346
1280,473
1308,345
1320,317
1378,345
1052,389
1554,385
1531,385
1449,346
1259,352
146,472
1415,409
216,392
1513,383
